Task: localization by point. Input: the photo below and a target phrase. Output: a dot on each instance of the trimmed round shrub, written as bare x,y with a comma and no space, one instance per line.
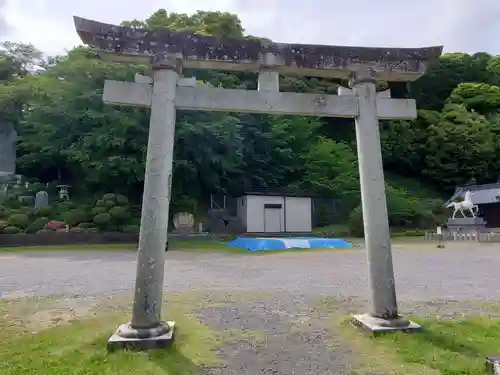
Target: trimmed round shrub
130,229
4,212
30,211
12,230
119,212
37,225
356,227
44,211
91,230
102,220
109,197
86,225
45,231
100,203
18,220
109,204
66,205
99,210
74,217
77,230
121,200
13,203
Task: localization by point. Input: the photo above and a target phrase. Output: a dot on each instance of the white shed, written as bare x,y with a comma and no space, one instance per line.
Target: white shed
265,213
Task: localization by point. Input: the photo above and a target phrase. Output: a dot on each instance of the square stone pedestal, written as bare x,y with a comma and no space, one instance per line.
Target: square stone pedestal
159,342
466,225
377,326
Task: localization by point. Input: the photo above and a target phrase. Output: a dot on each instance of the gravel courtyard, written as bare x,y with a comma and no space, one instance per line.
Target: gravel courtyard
290,284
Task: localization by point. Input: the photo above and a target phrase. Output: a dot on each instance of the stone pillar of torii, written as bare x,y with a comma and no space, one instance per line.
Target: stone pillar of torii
168,52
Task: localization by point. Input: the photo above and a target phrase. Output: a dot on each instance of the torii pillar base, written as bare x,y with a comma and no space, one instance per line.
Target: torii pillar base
128,338
378,326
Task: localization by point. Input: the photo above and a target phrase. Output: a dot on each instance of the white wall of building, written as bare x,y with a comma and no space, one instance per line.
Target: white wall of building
258,219
256,213
298,214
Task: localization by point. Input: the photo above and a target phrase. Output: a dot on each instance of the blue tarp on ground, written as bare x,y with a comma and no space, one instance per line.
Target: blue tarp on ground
267,244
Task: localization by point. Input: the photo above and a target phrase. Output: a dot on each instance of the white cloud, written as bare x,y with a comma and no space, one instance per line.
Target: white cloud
460,25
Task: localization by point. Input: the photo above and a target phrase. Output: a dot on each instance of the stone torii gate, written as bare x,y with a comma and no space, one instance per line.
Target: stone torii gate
168,52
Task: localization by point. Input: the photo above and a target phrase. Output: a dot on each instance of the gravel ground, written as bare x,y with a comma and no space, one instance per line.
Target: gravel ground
294,343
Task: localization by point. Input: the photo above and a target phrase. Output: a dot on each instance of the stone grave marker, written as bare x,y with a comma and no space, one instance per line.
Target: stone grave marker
41,199
183,223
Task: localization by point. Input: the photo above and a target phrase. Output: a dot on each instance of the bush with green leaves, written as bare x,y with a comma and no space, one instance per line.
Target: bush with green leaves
74,217
356,222
100,203
404,209
12,203
184,203
45,230
29,211
119,213
86,225
18,220
130,229
44,211
102,221
4,212
37,225
66,206
12,230
99,210
109,197
121,200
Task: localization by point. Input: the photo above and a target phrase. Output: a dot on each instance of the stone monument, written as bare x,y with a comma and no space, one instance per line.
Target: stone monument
465,224
63,192
41,199
8,137
183,223
168,53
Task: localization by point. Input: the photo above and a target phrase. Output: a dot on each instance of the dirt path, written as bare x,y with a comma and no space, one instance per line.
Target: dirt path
284,331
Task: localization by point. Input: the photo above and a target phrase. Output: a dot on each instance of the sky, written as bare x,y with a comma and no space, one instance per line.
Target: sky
459,25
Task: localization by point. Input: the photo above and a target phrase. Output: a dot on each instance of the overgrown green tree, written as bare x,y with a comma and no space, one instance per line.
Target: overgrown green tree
66,133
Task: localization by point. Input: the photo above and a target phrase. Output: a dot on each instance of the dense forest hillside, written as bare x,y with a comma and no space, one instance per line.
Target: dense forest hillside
67,134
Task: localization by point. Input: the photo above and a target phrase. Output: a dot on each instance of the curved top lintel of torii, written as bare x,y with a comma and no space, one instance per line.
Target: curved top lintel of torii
133,45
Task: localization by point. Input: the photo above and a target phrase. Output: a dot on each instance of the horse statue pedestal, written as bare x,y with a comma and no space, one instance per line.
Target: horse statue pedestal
466,225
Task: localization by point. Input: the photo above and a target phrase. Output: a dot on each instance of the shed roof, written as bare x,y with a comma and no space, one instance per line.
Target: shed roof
278,194
480,194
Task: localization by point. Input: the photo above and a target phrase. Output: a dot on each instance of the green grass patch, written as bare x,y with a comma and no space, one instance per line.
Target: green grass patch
195,246
103,247
174,244
79,347
446,346
211,246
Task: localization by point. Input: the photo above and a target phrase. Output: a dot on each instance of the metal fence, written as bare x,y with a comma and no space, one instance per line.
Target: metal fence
473,236
328,211
224,202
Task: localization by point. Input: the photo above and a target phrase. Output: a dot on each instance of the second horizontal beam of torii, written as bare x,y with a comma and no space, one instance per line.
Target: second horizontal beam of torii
139,94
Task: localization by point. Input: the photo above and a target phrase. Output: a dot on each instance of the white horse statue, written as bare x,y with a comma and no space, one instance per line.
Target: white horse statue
466,205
